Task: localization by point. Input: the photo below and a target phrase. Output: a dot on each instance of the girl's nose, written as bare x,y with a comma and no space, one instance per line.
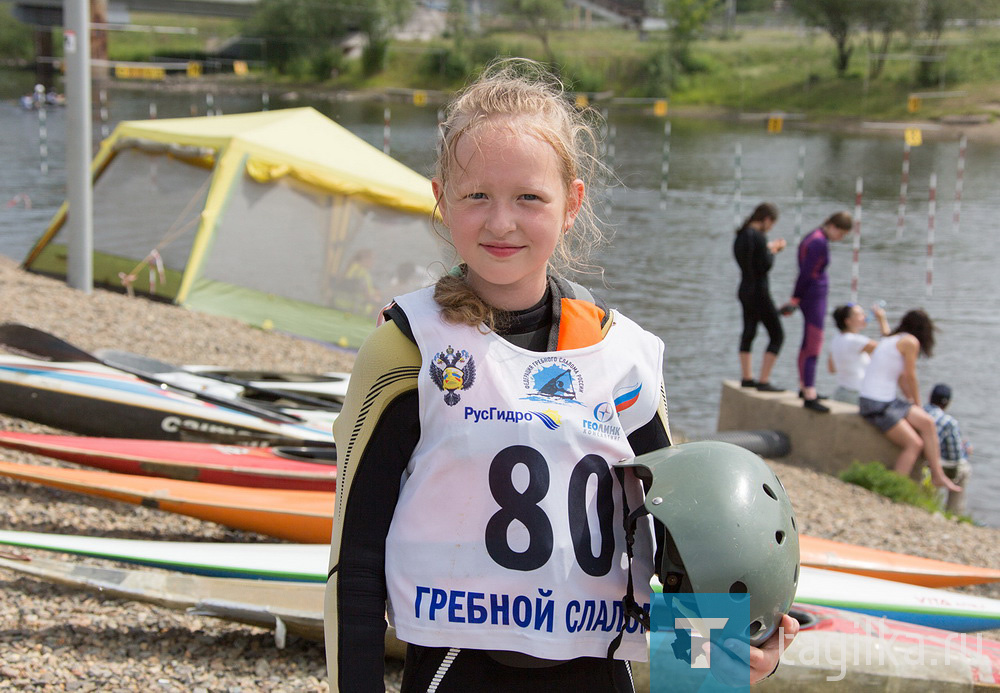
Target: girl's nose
501,220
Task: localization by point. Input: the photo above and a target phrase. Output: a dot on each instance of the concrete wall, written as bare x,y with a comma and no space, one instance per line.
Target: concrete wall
825,442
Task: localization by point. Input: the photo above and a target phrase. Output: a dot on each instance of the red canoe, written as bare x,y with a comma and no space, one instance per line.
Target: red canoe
309,469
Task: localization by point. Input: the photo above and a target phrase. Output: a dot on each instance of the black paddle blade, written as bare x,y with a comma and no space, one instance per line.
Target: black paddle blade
37,344
263,396
27,341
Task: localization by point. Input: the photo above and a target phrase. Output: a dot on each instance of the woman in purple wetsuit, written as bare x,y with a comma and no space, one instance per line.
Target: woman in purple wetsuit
810,292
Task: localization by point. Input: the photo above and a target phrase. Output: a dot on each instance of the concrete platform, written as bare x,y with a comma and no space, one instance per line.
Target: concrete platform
824,442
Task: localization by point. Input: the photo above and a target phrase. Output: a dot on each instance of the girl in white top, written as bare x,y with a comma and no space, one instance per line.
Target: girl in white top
483,576
894,362
850,350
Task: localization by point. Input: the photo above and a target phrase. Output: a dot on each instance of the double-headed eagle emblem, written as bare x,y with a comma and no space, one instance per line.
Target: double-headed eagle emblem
452,371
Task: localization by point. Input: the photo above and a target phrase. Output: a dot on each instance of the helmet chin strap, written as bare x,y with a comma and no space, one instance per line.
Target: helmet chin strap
630,608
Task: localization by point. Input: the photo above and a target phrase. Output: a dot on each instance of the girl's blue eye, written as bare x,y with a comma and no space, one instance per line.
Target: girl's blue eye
529,196
477,196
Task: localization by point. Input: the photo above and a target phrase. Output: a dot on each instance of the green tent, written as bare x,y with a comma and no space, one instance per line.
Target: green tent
282,219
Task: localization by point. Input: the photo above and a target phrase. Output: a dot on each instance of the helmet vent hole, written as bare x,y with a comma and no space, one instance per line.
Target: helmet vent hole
770,492
754,629
793,523
795,579
779,537
738,591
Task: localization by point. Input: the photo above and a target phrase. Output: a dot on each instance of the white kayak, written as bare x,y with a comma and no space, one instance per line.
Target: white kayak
926,606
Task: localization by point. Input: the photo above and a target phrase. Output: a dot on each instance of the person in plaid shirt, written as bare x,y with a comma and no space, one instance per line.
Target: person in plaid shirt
954,449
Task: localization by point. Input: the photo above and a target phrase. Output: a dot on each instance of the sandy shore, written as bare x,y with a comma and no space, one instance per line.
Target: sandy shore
56,639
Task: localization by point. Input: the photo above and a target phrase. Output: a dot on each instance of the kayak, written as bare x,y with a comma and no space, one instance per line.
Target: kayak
287,467
887,565
94,399
832,646
264,387
302,516
285,562
924,606
285,607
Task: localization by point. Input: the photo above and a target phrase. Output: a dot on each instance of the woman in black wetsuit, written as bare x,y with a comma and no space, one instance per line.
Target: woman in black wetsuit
755,256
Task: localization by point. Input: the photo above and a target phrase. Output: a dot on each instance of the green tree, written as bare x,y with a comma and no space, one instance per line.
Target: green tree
15,37
883,19
686,20
838,18
932,20
297,30
538,17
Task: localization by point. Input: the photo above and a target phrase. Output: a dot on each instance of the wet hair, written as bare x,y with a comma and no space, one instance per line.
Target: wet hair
920,325
765,210
841,220
841,314
524,96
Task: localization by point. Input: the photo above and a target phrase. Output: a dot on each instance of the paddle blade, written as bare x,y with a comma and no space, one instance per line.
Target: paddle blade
27,341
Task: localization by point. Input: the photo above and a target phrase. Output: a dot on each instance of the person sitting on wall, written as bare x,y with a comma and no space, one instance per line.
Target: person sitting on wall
850,351
901,419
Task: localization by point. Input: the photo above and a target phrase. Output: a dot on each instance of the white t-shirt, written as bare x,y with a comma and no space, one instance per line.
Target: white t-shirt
882,376
508,530
850,359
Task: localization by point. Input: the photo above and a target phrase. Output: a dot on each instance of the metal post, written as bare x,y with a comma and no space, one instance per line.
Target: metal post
80,222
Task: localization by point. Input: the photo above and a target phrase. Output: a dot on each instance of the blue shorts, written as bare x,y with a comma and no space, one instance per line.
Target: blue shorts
883,415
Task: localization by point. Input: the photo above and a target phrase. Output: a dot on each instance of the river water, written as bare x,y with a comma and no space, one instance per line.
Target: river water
671,268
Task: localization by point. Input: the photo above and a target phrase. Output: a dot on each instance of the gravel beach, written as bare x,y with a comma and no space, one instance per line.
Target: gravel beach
57,639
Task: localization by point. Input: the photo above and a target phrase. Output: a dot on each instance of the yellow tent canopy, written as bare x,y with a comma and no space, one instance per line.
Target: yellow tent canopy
282,218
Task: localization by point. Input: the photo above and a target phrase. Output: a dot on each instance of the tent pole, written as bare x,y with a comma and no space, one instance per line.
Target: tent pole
76,48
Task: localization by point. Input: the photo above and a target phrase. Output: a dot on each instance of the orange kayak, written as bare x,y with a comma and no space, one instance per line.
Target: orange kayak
300,516
307,517
887,565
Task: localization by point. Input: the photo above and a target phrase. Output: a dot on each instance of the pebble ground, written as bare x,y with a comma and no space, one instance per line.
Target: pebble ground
54,638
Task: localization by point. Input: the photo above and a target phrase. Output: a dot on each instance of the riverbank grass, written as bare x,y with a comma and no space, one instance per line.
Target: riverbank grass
876,477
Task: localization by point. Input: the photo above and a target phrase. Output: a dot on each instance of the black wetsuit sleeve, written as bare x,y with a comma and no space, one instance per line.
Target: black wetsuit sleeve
763,259
376,435
367,516
650,436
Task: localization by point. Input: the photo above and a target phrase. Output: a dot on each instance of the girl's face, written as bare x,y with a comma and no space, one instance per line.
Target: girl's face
856,320
507,205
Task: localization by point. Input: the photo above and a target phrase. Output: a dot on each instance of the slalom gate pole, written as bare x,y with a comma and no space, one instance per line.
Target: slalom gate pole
903,184
102,97
957,211
931,210
737,183
43,139
856,260
665,165
800,178
386,130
